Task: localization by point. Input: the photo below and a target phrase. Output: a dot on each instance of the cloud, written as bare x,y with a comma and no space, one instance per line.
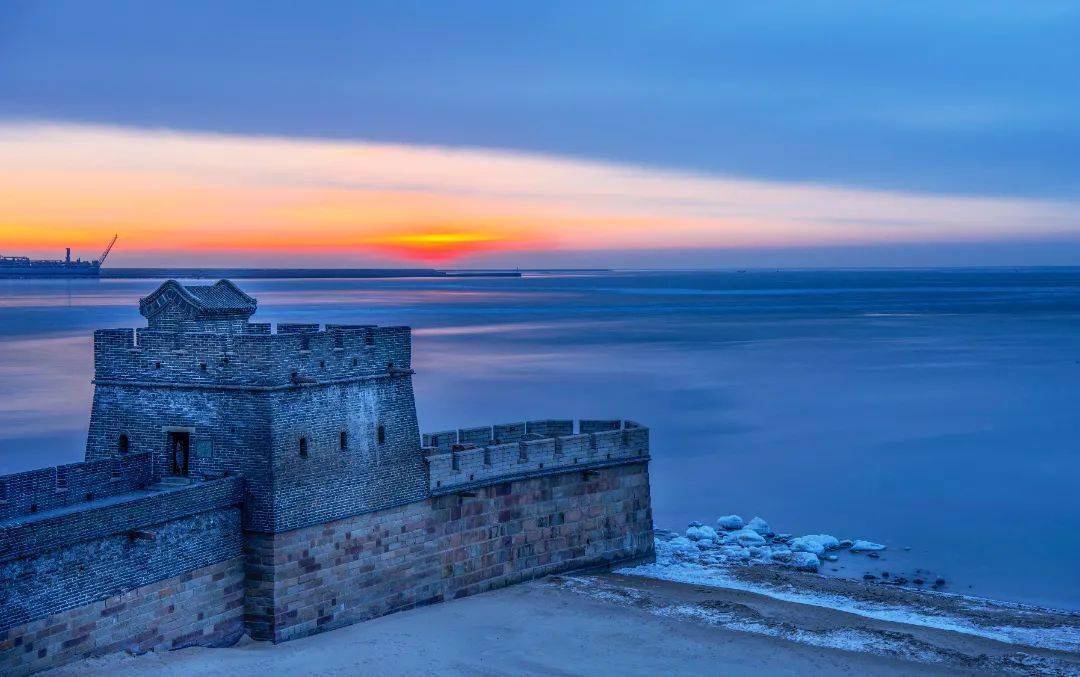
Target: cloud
183,196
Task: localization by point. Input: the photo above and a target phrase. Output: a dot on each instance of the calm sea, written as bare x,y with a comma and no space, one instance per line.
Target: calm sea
936,410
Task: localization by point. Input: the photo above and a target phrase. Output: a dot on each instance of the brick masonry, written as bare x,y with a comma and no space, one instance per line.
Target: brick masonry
247,400
38,533
479,456
88,570
309,500
201,607
314,579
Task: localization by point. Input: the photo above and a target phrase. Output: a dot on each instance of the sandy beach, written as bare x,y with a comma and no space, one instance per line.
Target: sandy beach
617,624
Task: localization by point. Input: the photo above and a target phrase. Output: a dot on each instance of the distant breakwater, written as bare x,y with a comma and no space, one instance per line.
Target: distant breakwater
294,273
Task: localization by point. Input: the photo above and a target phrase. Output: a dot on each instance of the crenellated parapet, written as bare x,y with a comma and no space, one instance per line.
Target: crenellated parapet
45,489
228,459
294,356
139,506
475,457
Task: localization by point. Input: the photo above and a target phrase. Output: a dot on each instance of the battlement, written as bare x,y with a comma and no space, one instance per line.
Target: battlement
137,507
227,460
475,457
294,356
45,489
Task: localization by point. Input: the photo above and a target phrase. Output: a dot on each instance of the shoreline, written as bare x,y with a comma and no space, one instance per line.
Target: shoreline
701,553
1014,623
620,624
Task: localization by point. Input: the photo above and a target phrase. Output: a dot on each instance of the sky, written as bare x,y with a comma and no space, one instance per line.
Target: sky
494,134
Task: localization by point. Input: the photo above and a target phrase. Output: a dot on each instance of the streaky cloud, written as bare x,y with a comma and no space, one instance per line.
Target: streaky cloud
179,196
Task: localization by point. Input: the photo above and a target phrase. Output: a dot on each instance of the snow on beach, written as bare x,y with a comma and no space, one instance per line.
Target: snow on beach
720,557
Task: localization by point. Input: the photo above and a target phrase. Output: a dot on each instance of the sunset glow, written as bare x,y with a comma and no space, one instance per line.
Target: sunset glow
187,198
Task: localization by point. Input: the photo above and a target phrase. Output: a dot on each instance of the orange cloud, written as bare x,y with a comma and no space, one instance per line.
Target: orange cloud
168,192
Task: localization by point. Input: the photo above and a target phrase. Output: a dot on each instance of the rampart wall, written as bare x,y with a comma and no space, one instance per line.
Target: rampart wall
309,502
472,457
144,569
45,489
326,576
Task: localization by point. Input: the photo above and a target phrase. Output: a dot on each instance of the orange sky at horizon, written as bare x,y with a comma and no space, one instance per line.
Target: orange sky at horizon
167,192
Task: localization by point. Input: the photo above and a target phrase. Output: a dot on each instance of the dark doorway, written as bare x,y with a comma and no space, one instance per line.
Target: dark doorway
179,451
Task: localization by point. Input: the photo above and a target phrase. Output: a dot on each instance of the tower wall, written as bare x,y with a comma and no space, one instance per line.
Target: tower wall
229,433
330,481
246,400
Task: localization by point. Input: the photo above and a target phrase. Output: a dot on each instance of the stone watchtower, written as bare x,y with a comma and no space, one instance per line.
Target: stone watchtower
240,480
322,424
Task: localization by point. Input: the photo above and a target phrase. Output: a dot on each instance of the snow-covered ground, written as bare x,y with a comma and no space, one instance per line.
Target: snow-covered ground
724,557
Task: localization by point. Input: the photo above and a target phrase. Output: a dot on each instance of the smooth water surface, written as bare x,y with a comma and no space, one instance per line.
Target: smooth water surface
935,409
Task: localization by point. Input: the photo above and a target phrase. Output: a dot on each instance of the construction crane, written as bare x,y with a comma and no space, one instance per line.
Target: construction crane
108,249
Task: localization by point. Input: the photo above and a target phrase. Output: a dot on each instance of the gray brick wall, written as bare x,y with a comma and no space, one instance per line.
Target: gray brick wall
33,534
248,359
470,458
56,561
73,576
247,399
332,482
45,489
201,607
321,577
230,432
309,469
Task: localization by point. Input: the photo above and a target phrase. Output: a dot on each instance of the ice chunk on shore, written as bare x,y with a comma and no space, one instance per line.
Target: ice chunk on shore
703,545
698,532
781,555
681,545
745,537
805,561
759,525
730,522
866,546
807,544
736,552
815,543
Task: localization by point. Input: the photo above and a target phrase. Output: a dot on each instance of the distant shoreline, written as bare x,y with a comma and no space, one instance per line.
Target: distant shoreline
293,273
328,273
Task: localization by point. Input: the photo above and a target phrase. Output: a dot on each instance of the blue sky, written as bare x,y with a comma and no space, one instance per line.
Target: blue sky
958,99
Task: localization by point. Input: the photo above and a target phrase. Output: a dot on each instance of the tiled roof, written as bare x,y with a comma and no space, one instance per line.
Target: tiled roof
221,296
